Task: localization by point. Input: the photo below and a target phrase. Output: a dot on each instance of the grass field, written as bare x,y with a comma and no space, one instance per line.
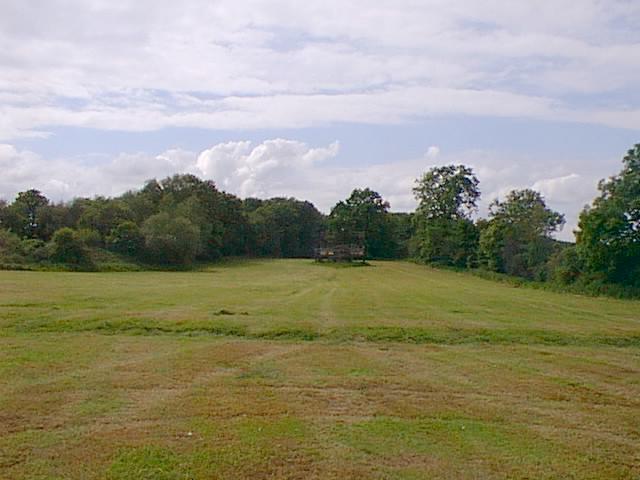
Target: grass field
288,369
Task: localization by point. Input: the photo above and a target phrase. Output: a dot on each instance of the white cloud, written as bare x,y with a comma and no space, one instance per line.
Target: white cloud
432,152
144,65
568,194
270,168
565,188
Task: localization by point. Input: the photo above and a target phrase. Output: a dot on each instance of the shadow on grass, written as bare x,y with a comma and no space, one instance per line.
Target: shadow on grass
332,264
386,334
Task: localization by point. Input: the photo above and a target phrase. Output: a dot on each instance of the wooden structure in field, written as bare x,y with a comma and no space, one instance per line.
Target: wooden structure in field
340,253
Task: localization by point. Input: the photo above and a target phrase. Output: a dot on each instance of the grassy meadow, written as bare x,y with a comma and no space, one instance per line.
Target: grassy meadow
290,369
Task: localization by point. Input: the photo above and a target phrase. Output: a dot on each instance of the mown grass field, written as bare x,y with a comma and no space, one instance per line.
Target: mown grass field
288,369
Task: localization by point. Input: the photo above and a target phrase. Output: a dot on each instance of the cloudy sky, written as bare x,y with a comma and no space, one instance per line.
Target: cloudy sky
311,99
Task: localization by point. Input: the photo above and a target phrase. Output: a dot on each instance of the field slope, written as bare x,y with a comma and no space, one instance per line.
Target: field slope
289,369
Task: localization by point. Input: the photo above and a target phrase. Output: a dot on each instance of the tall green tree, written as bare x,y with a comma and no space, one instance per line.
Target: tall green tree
363,218
450,191
402,230
200,202
444,232
284,227
103,215
24,216
517,238
67,247
236,234
126,238
3,213
170,240
9,245
608,239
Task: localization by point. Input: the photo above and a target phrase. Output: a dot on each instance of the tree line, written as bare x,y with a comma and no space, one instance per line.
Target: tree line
183,219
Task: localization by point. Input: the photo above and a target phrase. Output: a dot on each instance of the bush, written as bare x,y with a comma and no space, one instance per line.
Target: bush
34,250
446,242
565,266
90,237
170,240
10,247
67,247
126,238
9,242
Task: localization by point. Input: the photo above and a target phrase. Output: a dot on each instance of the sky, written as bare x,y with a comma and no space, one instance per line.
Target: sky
312,99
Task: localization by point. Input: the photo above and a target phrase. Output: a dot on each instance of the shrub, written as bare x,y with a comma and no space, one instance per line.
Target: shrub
9,241
170,240
90,237
67,247
10,247
565,266
34,250
126,238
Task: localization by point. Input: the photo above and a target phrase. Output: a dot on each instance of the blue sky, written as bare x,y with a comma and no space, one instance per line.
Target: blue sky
312,99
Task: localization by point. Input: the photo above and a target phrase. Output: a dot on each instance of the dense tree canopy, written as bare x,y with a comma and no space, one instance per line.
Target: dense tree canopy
516,239
103,215
126,238
284,227
444,232
609,231
67,247
24,215
363,218
448,192
170,240
401,233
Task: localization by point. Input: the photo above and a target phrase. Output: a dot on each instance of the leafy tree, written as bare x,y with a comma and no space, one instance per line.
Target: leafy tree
516,240
193,210
52,217
9,246
444,232
201,203
236,228
285,227
152,191
90,237
66,247
402,230
608,239
446,241
142,204
363,217
75,208
183,186
23,216
126,238
565,266
4,210
34,250
251,204
103,215
171,240
448,192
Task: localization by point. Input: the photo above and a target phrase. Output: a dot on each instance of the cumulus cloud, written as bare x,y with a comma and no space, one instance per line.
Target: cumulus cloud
272,167
285,167
565,188
65,178
568,194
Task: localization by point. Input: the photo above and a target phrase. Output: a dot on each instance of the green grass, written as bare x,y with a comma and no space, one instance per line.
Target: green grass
289,369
